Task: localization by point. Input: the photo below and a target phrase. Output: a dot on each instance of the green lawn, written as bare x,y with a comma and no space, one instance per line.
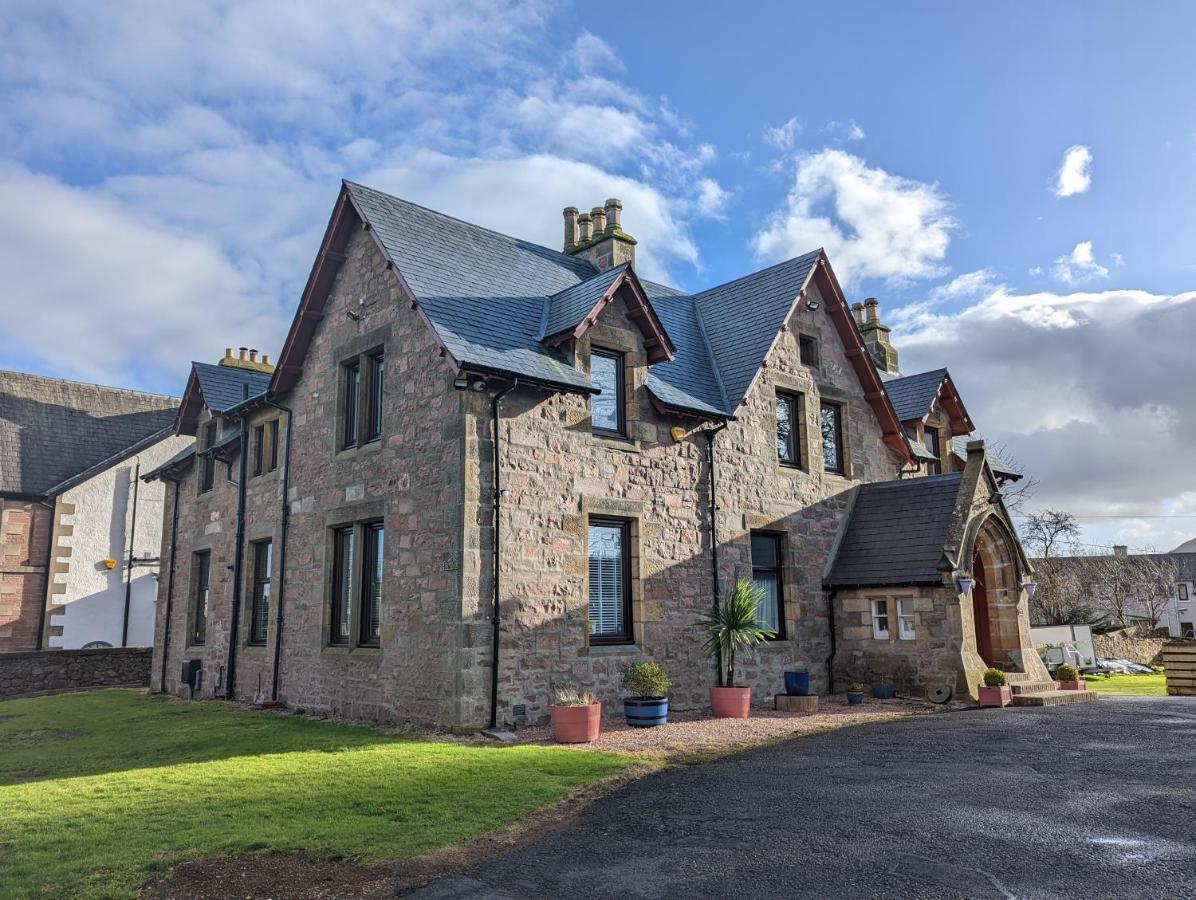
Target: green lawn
98,791
1128,685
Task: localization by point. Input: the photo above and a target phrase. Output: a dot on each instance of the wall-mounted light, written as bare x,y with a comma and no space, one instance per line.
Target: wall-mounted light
677,433
965,582
460,383
811,302
109,564
1031,588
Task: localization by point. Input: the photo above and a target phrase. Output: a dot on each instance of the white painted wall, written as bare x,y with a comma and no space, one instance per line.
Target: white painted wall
92,608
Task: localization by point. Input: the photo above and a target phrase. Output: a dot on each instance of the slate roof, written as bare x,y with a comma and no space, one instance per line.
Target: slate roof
896,533
224,387
492,299
52,430
567,308
741,319
959,445
912,395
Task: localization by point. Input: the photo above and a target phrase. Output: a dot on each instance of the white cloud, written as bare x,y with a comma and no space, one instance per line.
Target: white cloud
783,137
845,131
223,131
1079,266
1086,389
872,224
1073,176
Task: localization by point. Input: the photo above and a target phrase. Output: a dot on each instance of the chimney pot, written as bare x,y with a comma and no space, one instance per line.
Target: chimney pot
857,310
253,354
265,359
598,217
872,309
614,214
243,353
585,226
228,352
570,228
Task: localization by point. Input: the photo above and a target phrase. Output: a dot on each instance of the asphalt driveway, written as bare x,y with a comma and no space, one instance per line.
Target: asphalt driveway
1093,800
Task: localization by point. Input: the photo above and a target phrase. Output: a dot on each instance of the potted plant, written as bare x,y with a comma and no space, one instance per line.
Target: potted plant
1069,678
995,690
648,684
855,693
797,683
731,628
576,717
884,689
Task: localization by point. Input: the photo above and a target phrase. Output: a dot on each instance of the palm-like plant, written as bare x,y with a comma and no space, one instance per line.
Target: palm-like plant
734,626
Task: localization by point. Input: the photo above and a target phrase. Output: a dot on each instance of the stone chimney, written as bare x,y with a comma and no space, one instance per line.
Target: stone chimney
247,358
599,236
1121,550
876,336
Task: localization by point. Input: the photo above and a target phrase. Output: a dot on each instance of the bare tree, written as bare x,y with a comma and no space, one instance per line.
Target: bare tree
1060,598
1047,533
1132,589
1016,494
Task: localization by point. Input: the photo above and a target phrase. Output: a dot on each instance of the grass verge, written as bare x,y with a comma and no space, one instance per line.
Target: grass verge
1128,685
101,791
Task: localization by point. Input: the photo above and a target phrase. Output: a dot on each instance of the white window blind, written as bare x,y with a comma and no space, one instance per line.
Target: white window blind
606,580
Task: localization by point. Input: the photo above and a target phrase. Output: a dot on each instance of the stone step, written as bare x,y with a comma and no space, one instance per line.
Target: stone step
1054,698
1018,677
1033,687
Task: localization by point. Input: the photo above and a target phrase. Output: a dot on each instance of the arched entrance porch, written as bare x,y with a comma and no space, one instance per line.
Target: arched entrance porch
996,594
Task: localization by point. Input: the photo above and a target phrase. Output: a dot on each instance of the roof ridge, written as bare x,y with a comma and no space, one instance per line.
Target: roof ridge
92,384
585,281
939,371
758,272
451,218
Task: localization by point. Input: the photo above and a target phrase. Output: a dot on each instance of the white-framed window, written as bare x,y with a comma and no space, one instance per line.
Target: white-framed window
906,623
880,619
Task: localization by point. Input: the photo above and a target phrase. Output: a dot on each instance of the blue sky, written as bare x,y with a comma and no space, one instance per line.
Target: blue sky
1015,182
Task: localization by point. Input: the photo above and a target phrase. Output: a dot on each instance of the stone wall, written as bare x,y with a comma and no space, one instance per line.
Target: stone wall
1119,645
58,671
24,544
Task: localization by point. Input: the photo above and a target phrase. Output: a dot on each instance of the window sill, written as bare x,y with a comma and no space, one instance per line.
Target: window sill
615,442
347,453
615,650
254,649
792,468
773,644
347,652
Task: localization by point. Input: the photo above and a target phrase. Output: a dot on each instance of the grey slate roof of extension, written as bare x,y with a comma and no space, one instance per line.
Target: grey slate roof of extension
52,430
224,387
492,299
567,308
896,533
912,395
999,466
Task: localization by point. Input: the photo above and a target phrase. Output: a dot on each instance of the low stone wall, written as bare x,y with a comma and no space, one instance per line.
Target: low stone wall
57,671
1118,645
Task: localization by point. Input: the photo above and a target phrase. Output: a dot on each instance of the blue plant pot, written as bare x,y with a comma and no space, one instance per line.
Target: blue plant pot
647,713
854,698
883,690
797,684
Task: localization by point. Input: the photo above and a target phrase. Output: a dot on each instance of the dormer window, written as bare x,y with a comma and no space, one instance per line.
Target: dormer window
607,410
933,466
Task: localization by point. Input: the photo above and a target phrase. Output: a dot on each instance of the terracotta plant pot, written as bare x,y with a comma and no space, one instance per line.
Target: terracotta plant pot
576,724
996,696
731,702
1073,685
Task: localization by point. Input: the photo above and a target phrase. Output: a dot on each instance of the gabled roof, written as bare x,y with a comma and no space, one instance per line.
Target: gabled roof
491,300
913,396
53,430
1000,467
742,318
896,533
220,389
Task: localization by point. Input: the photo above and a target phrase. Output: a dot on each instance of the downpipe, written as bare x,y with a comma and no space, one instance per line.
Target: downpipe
716,579
276,675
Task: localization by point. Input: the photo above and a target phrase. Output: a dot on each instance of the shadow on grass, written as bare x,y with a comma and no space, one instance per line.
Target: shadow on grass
94,733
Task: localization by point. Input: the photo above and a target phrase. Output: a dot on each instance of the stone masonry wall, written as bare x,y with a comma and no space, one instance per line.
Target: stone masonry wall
558,474
24,542
55,671
1118,645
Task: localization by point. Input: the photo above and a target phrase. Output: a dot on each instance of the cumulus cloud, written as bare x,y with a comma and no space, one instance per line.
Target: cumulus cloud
1073,176
1084,388
1079,266
845,131
216,136
873,224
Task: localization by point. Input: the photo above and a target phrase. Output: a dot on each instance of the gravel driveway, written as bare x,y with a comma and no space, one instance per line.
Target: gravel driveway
1094,800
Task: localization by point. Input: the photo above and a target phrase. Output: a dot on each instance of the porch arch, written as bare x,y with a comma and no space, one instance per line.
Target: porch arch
997,567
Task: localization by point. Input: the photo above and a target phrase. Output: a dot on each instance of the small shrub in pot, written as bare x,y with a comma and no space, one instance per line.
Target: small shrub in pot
648,684
995,691
855,693
1069,678
576,716
995,678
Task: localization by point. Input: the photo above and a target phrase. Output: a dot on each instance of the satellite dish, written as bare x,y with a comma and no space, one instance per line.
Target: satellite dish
940,694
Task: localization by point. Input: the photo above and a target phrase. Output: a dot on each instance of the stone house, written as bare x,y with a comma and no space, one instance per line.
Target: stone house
493,469
79,532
